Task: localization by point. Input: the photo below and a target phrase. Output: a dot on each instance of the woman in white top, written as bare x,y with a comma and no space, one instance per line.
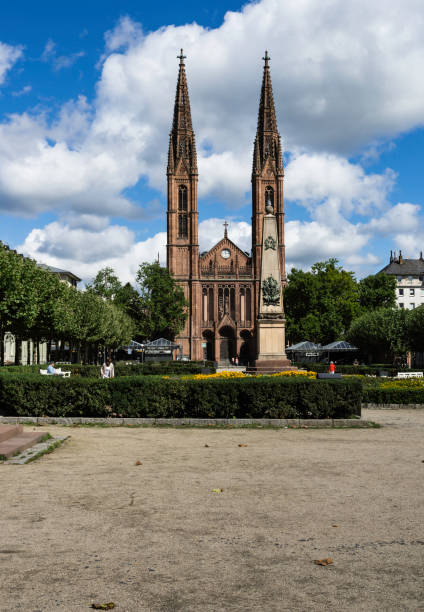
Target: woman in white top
107,370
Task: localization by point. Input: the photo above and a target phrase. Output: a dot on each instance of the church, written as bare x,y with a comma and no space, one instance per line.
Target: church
223,285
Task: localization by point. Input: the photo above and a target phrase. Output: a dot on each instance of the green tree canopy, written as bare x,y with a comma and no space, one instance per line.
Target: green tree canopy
105,284
377,291
321,304
415,329
163,302
380,334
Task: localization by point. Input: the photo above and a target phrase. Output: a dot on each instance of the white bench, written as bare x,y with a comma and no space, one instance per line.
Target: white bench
410,375
59,372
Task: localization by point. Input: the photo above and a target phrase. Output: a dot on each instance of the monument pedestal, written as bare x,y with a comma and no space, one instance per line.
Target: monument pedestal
271,354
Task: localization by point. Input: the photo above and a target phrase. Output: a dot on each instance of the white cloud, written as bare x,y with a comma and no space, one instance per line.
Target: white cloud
399,219
8,56
212,230
312,179
59,61
22,92
85,251
308,242
343,77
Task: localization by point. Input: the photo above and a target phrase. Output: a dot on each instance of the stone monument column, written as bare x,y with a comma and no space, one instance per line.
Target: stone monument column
270,324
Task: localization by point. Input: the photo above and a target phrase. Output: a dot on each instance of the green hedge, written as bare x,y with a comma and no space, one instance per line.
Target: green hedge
378,395
121,369
373,370
154,397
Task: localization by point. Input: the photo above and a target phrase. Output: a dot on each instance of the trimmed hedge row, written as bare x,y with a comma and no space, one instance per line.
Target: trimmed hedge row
379,395
373,370
154,397
121,369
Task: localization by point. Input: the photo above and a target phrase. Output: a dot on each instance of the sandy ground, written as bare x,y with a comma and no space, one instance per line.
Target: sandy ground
85,524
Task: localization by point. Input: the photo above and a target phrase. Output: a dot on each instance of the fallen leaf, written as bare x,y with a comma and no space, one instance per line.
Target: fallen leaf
328,561
334,525
206,445
105,606
217,490
138,463
242,445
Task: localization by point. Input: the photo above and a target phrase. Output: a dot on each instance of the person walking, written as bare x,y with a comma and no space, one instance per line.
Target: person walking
332,368
107,370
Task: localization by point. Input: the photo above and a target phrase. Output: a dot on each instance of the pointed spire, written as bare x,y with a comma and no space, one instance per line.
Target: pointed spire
267,144
182,142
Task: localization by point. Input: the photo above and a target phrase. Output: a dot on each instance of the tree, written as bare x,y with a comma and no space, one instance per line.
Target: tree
321,304
380,334
105,284
163,302
18,303
377,291
129,301
415,329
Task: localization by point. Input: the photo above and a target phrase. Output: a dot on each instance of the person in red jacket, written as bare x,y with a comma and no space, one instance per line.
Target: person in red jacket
332,368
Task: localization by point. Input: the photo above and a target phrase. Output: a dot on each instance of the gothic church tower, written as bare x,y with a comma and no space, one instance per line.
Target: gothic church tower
182,248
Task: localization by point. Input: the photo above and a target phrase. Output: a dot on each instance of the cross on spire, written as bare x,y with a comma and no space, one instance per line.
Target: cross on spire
266,58
225,224
181,56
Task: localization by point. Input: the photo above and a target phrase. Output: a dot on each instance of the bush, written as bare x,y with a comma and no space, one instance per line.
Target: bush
121,369
155,397
371,370
393,395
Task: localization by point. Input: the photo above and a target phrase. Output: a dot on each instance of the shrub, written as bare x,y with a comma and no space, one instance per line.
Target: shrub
155,397
394,395
121,369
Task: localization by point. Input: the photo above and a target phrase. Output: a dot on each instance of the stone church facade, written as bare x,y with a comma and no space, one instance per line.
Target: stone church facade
221,285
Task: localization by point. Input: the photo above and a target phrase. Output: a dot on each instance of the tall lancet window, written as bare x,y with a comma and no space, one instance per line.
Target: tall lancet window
182,212
269,196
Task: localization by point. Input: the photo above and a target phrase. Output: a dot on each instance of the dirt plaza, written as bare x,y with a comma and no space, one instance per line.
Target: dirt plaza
210,519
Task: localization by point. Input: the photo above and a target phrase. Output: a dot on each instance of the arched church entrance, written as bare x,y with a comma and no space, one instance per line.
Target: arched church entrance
227,344
245,347
208,346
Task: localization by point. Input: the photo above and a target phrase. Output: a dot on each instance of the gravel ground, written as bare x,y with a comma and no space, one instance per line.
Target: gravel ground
86,524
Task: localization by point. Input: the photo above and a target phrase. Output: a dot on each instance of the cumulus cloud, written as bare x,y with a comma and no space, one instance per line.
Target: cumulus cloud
343,78
316,178
8,56
308,242
398,219
85,251
346,78
212,230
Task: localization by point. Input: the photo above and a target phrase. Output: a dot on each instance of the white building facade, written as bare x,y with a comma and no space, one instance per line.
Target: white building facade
409,275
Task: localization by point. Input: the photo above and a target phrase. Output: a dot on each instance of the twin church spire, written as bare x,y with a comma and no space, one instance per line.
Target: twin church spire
182,145
267,141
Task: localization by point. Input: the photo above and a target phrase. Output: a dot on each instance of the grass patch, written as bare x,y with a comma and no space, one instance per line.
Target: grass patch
46,451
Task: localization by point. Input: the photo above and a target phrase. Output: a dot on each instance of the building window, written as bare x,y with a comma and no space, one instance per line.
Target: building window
182,226
182,198
400,291
399,279
411,306
400,304
410,278
422,291
412,292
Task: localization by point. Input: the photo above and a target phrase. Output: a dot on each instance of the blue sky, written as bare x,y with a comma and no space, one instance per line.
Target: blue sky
86,96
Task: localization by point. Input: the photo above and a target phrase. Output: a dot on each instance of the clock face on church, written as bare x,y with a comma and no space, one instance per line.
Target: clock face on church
225,253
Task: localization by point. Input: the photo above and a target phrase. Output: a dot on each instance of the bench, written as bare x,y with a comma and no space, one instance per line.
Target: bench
59,372
410,375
